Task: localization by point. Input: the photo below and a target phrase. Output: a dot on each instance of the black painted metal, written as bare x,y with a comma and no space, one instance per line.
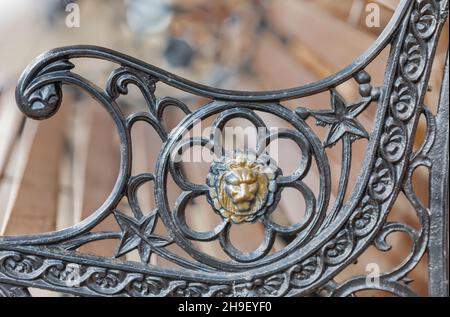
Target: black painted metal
323,244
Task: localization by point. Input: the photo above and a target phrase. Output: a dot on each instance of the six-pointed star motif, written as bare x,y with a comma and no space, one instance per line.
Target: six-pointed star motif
138,233
342,119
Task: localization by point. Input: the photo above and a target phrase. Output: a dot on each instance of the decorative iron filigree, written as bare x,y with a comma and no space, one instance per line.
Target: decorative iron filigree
245,186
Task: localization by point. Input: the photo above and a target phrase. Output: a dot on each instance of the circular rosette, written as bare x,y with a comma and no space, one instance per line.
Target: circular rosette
243,185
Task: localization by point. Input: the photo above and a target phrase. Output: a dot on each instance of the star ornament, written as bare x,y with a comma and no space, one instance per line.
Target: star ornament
342,118
138,233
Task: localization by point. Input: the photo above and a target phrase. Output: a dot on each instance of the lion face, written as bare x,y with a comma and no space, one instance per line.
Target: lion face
242,186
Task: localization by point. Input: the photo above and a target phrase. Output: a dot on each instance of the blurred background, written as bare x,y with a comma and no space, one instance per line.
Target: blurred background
56,172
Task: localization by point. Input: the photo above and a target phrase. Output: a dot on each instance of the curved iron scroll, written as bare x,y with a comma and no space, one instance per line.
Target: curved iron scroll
324,242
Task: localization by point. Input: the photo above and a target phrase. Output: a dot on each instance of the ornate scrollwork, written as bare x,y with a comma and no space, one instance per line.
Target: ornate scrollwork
243,185
403,99
365,217
13,291
382,180
413,58
424,18
43,96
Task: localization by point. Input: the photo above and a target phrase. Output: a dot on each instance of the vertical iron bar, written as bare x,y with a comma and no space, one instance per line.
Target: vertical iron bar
438,243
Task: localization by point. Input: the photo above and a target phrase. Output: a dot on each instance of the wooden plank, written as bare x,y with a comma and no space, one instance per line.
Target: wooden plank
65,216
10,121
100,174
32,204
343,42
14,168
82,125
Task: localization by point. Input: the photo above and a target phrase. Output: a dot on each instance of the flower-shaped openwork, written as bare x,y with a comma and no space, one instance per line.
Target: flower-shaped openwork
245,185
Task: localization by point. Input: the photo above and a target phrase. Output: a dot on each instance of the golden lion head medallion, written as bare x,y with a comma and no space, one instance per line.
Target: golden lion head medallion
242,185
